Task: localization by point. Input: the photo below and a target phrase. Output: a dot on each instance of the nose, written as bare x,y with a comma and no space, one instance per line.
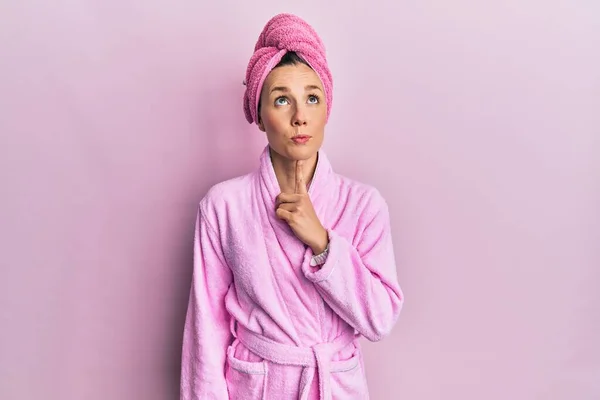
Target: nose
299,117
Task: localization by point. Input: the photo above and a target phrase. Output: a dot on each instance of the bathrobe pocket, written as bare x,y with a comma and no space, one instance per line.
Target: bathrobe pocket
245,379
348,380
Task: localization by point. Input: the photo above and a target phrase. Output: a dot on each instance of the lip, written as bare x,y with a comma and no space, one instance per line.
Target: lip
301,138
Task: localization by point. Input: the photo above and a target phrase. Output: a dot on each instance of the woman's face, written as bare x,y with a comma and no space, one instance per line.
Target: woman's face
293,111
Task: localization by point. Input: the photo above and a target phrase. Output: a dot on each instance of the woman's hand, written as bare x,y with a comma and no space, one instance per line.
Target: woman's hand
297,210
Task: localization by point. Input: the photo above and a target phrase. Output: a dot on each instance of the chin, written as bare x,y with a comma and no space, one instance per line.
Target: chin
298,153
295,152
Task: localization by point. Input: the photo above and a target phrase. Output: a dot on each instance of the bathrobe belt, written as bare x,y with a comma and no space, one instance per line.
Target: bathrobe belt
317,357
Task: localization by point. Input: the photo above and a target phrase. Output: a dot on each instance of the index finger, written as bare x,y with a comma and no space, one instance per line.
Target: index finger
300,184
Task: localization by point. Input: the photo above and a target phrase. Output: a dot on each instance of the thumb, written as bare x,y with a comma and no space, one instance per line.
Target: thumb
300,183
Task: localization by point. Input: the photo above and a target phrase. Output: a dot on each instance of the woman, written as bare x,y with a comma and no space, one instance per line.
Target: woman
293,262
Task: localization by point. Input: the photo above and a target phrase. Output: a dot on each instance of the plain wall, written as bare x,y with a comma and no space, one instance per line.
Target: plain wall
478,121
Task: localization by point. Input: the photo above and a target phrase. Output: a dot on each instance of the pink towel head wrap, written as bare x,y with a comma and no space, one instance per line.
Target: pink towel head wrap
284,33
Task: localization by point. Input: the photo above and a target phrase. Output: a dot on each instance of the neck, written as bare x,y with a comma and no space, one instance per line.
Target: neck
285,171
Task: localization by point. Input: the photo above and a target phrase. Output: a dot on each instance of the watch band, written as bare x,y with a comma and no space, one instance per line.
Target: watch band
320,259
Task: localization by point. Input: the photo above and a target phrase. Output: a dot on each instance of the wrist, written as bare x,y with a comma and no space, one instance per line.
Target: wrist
321,245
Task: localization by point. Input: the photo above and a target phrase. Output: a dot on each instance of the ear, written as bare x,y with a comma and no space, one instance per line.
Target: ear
261,126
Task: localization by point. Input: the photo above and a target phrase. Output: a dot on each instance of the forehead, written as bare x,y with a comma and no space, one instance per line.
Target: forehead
292,76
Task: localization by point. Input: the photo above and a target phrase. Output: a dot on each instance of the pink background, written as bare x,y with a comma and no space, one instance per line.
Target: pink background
479,122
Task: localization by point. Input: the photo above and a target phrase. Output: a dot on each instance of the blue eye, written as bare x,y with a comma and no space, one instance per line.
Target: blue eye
278,103
313,99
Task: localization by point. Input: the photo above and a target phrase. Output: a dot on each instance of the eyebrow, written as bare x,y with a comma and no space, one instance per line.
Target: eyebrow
285,89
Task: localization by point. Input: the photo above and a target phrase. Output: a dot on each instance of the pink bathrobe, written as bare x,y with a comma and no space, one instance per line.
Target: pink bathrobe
262,323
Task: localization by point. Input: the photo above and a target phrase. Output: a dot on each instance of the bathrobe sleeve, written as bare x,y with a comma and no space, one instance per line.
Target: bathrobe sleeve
206,332
359,281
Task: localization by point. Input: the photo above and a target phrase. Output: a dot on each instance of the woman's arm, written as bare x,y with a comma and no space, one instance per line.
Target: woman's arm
360,282
206,333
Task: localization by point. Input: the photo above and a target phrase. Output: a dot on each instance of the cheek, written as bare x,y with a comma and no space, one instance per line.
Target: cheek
321,116
273,127
271,119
